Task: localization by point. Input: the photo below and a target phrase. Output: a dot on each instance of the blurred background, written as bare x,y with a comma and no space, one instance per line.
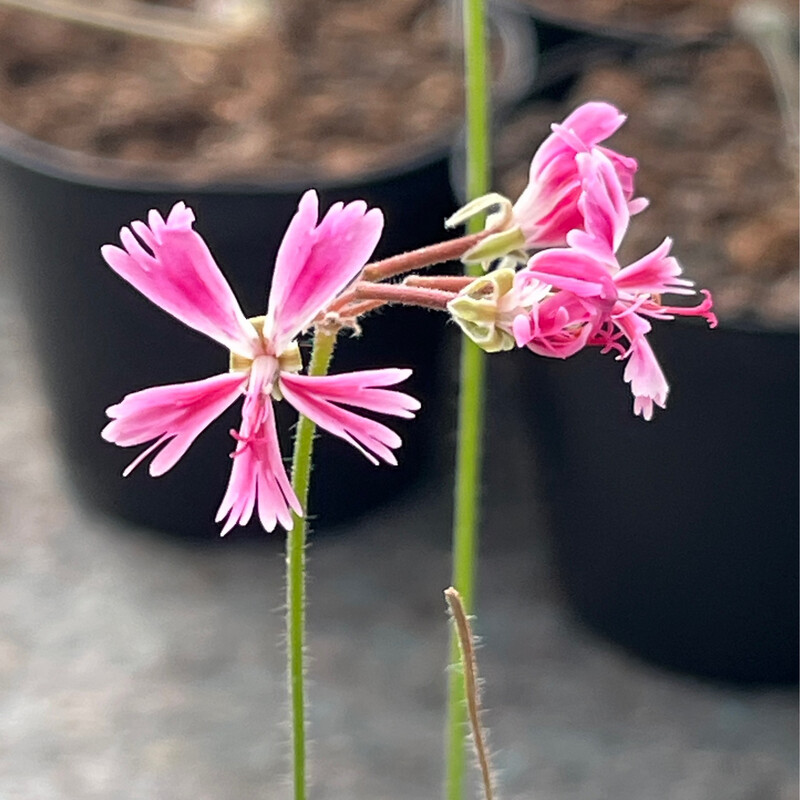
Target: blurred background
637,600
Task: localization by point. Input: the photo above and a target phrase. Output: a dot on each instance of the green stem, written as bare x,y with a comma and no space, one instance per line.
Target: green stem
321,355
476,68
470,404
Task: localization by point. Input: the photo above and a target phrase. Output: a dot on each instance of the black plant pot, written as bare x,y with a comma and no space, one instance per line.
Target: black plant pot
97,339
568,47
678,538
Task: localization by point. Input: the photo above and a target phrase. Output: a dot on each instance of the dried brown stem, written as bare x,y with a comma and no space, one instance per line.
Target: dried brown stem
466,646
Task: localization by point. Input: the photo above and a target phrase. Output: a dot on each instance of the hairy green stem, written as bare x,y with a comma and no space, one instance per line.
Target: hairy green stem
321,355
471,392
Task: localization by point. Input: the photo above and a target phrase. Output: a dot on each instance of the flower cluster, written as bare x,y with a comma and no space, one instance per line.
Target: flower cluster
571,294
575,294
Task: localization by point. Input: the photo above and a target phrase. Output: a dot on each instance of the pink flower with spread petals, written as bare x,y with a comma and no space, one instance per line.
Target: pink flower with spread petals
590,300
548,208
170,264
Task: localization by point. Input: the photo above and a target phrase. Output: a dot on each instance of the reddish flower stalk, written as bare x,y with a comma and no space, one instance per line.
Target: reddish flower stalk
403,294
438,253
447,283
357,309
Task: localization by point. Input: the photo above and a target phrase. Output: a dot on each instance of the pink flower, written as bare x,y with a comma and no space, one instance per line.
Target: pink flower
548,209
596,302
171,265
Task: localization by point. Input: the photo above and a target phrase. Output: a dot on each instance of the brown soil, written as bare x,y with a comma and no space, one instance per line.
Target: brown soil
361,82
682,18
715,163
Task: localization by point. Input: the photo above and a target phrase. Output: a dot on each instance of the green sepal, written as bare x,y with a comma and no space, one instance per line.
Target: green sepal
480,204
494,246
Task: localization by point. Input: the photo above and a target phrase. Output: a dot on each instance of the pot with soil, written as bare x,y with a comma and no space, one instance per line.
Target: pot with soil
678,538
98,127
576,35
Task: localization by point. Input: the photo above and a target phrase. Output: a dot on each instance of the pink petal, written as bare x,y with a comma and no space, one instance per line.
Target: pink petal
573,271
172,415
643,372
585,127
316,262
359,389
594,122
318,398
626,168
171,265
547,211
258,478
603,205
558,327
655,273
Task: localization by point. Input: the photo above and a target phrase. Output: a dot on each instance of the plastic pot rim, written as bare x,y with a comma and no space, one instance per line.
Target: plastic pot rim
72,166
630,35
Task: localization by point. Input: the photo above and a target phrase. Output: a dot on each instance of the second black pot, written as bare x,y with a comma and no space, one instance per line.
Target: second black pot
678,538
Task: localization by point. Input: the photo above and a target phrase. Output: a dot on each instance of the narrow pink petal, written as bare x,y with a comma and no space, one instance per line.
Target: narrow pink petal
318,398
171,265
573,271
316,262
655,273
643,372
522,330
603,203
585,127
360,389
547,211
258,478
173,415
594,122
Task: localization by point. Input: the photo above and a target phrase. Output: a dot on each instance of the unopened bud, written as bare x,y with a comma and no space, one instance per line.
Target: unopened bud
480,307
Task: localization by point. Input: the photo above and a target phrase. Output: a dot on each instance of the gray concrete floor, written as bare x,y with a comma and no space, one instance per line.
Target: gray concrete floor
131,667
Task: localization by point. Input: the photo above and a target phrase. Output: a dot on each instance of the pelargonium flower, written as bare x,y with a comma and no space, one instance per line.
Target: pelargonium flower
550,205
569,298
171,265
548,208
